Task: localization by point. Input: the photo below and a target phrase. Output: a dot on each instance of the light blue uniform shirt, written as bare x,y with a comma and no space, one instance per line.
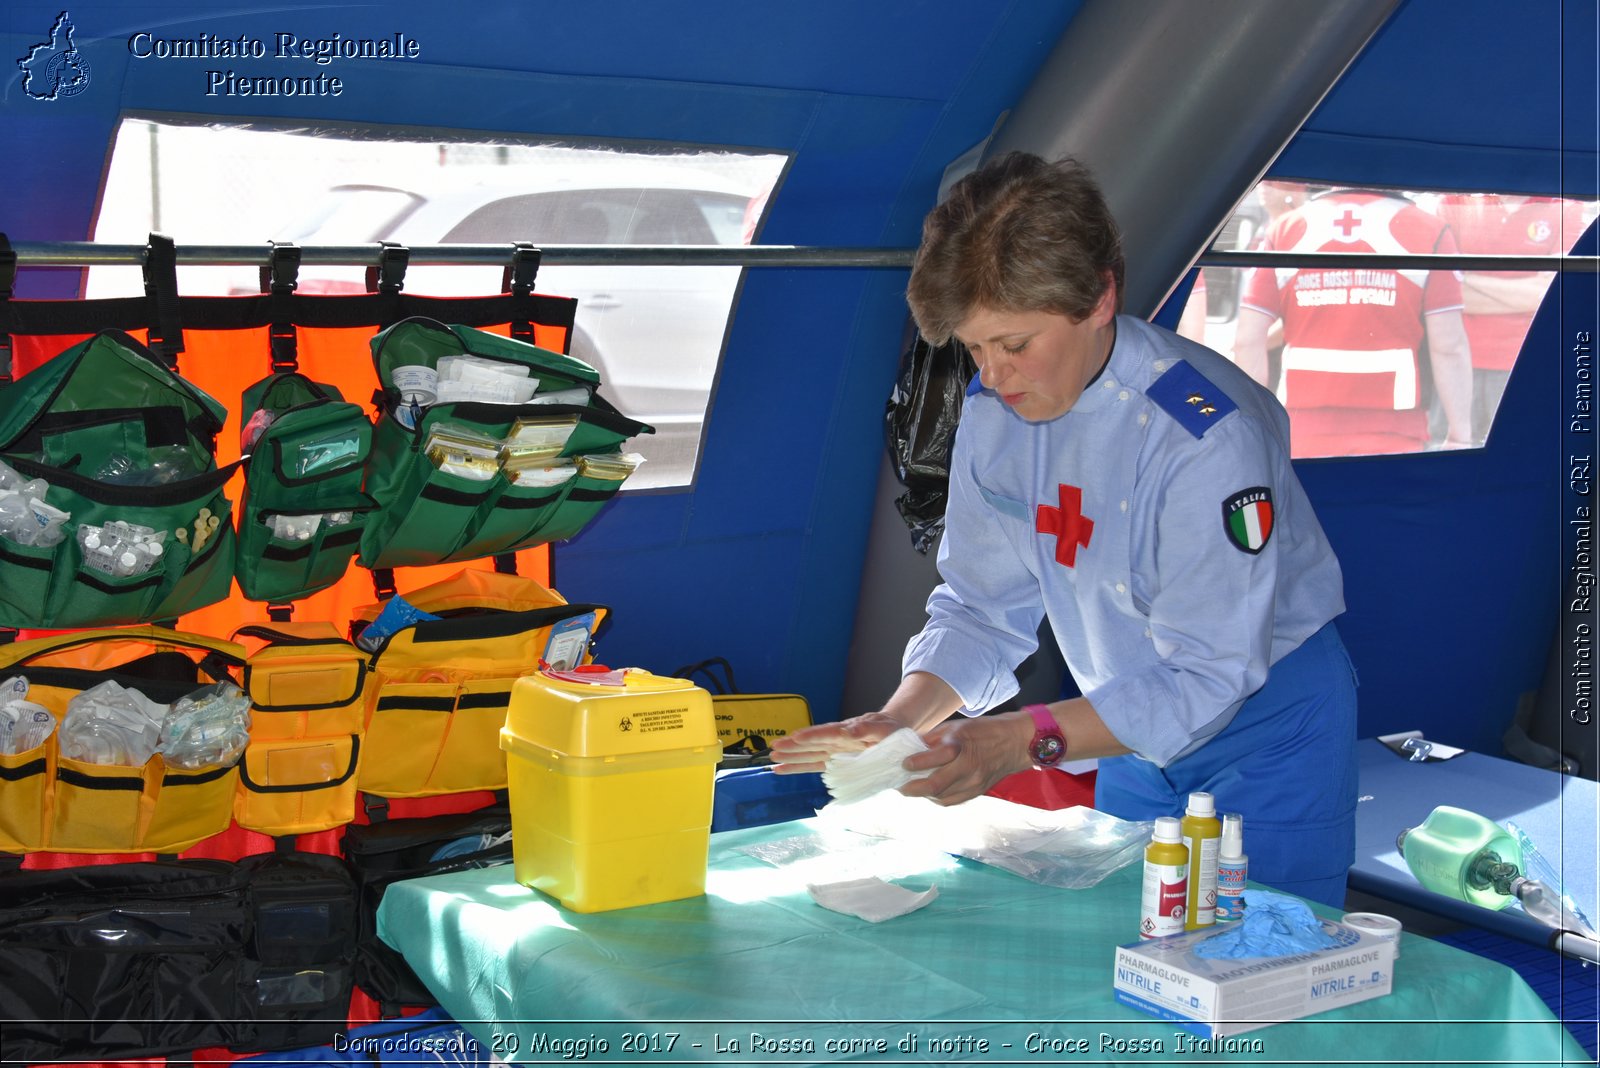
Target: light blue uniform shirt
1168,610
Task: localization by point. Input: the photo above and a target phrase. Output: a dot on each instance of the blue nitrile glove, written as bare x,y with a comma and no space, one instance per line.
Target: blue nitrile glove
397,614
1274,925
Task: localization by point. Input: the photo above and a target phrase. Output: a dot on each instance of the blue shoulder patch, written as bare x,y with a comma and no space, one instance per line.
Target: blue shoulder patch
974,385
1190,398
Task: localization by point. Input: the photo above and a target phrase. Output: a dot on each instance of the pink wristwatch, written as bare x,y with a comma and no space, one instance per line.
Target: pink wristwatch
1048,745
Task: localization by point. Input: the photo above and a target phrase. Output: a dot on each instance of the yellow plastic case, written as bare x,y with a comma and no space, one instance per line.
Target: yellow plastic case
610,778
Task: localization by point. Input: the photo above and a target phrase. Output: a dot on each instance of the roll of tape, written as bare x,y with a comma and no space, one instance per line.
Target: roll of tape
1385,927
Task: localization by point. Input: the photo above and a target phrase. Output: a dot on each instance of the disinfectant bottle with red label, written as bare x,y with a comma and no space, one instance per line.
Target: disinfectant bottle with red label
1166,881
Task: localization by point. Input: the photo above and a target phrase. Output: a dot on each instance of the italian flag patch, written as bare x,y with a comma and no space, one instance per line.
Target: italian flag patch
1247,518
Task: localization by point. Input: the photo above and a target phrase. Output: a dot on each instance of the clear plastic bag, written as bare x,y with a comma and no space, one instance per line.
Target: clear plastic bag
1081,849
832,854
24,725
111,724
121,549
543,473
1072,848
539,437
462,450
476,378
25,517
254,427
9,479
163,464
206,728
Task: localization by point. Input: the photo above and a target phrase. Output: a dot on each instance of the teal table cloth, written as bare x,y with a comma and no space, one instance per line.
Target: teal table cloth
996,969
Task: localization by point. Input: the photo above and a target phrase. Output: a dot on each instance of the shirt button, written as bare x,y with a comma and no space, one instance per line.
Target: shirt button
1147,632
1123,506
1144,417
1121,588
1123,395
1108,384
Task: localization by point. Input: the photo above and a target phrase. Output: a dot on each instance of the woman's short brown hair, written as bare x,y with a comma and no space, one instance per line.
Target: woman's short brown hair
1018,234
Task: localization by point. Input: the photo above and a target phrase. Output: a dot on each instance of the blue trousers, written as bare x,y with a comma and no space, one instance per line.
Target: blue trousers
1286,762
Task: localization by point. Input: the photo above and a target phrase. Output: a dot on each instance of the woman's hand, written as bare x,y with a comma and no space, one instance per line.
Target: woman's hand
809,748
968,756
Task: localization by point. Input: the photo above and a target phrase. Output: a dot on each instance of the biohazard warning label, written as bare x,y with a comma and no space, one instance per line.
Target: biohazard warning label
662,719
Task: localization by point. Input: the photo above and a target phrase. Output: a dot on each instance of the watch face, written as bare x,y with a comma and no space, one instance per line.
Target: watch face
1047,748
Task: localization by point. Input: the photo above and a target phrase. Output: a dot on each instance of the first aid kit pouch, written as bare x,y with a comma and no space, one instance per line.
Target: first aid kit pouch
383,853
306,919
307,686
495,469
148,959
303,509
441,686
115,512
117,787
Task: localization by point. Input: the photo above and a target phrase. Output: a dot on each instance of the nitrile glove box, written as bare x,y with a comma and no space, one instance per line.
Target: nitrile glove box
1216,998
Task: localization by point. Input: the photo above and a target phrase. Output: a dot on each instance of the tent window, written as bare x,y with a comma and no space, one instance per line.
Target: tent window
1379,361
610,217
654,332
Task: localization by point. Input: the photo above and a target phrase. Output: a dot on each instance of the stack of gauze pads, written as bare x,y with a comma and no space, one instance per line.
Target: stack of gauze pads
474,378
852,777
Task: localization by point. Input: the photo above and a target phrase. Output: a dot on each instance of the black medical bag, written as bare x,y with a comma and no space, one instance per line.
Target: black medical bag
393,849
148,959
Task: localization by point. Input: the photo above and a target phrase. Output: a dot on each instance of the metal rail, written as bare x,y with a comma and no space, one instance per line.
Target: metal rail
1386,262
93,254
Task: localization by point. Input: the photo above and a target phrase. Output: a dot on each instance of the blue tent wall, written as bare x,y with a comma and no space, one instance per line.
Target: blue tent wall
1450,559
1463,94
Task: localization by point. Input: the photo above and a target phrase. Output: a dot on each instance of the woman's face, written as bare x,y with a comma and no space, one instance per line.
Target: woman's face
1038,362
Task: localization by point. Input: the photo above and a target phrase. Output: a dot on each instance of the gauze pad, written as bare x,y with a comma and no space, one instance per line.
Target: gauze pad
852,777
870,898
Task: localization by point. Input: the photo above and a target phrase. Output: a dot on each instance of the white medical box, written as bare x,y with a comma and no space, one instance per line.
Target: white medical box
1215,998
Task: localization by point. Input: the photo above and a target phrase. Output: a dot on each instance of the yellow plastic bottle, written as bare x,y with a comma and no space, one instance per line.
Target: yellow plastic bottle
1166,873
1202,834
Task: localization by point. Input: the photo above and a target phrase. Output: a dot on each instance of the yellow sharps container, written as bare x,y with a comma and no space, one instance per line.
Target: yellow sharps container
610,777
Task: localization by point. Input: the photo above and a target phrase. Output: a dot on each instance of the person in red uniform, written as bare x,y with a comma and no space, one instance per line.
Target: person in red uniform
1353,336
1499,305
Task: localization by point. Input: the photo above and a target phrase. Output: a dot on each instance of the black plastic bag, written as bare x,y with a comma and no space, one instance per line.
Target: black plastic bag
920,426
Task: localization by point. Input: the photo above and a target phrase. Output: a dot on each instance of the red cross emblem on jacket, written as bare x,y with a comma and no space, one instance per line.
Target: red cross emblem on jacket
1068,523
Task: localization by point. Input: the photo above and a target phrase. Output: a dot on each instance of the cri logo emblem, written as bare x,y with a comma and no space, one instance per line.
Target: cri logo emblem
55,69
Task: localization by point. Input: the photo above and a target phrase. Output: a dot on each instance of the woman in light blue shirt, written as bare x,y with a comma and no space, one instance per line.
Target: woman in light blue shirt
1134,489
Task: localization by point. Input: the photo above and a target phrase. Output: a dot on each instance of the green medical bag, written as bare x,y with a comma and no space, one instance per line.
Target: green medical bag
117,436
303,510
428,513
